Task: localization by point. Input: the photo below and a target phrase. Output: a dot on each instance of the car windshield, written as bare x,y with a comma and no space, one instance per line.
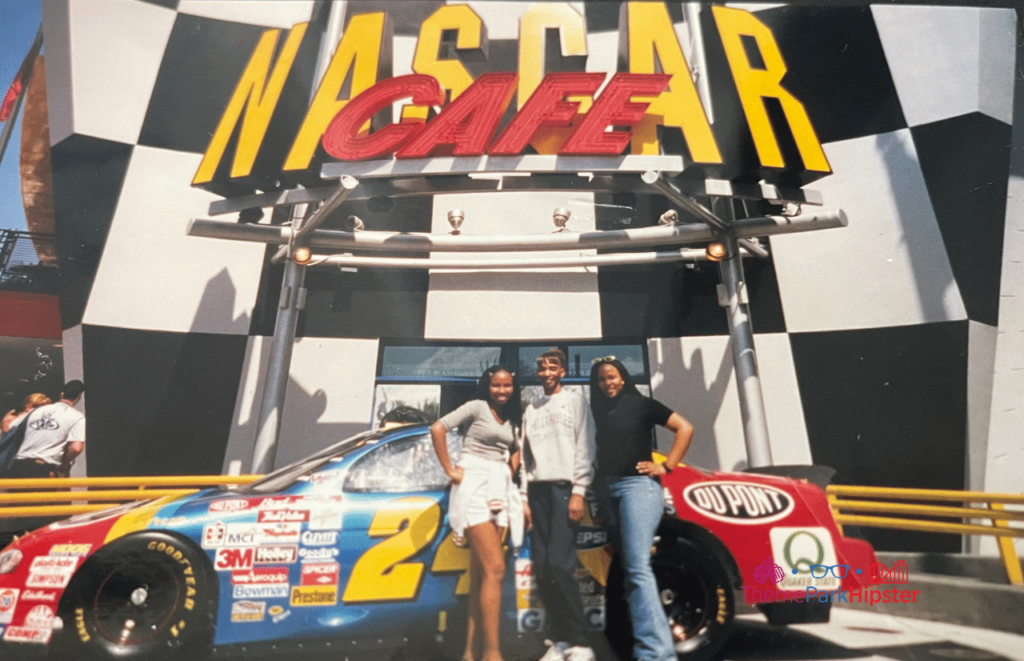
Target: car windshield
284,477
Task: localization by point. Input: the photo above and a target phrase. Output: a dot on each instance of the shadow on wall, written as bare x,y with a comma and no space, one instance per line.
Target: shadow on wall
684,391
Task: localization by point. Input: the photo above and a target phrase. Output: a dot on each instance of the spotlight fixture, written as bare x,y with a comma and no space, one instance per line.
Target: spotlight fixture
670,217
716,252
455,218
561,217
355,224
302,255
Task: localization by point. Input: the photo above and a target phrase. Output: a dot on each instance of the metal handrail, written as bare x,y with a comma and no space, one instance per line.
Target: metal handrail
79,495
845,498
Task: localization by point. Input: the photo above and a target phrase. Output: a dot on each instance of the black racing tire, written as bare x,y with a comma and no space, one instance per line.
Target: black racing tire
696,595
147,596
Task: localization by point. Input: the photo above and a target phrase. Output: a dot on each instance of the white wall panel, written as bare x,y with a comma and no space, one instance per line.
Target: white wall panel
116,49
889,266
551,304
695,376
59,97
74,368
949,61
329,397
152,276
271,13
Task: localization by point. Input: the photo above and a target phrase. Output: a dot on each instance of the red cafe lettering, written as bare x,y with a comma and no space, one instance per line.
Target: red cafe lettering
557,113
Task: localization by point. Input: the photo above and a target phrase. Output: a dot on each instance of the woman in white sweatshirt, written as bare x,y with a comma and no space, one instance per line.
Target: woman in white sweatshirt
484,501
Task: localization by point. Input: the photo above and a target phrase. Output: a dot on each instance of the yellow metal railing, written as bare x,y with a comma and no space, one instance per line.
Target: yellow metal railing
60,497
853,505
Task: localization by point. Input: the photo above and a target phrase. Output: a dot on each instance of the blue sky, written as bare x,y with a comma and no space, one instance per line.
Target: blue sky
20,20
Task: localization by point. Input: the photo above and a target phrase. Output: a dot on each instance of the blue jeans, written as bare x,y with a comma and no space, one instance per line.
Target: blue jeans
632,508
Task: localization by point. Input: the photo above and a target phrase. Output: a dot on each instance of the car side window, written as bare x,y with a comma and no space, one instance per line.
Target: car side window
406,465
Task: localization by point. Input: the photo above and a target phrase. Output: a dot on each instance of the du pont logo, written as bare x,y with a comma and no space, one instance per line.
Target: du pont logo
739,502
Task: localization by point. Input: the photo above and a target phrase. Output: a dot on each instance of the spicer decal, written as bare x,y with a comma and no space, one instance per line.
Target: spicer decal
739,502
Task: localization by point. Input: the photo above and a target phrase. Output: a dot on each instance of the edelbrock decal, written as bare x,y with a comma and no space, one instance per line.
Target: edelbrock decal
744,503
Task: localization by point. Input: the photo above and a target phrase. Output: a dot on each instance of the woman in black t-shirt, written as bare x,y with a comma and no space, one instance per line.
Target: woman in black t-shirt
631,497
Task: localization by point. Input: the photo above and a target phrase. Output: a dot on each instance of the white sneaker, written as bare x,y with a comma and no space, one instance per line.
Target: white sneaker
579,653
556,651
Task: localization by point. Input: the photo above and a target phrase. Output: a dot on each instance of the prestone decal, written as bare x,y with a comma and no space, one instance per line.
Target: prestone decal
739,502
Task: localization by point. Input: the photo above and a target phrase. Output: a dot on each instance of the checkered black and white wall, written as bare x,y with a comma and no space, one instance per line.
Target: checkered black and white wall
892,349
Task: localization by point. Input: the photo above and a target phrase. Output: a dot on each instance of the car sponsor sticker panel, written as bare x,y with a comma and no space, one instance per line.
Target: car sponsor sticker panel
319,573
743,503
248,611
51,572
260,576
796,550
28,635
271,591
314,596
8,600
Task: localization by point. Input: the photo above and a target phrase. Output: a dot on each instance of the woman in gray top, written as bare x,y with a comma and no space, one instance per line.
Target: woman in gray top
484,501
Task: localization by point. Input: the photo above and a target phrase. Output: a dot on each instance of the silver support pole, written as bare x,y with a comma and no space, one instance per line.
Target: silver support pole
293,295
741,339
278,367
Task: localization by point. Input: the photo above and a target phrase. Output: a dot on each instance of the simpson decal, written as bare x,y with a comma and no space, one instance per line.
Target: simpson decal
739,502
51,572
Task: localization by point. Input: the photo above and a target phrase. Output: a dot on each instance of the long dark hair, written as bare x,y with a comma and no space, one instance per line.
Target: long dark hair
513,407
600,403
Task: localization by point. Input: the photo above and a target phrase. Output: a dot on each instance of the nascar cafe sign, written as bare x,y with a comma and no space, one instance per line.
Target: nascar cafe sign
649,107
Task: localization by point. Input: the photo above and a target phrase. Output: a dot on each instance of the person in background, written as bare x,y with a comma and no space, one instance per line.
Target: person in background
55,435
631,496
558,456
13,417
403,415
484,501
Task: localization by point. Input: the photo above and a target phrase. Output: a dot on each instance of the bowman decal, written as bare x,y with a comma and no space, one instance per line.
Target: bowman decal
739,502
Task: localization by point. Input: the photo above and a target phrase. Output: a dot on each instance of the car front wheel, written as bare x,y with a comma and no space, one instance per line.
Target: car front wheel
142,596
695,593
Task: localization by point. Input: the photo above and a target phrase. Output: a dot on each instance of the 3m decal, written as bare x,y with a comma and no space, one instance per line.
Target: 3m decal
314,596
796,550
70,550
234,558
28,635
248,611
260,576
275,591
381,574
739,502
319,573
277,555
8,600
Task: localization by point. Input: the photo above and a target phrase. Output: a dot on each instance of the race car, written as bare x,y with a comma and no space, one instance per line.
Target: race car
351,549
